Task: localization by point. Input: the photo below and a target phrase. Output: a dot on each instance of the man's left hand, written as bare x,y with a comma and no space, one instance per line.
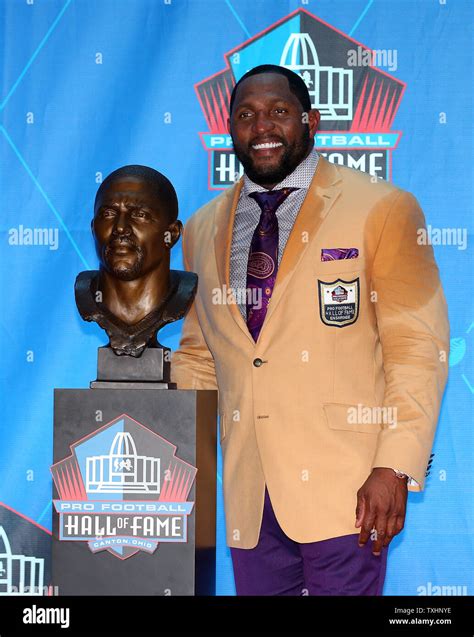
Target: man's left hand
381,505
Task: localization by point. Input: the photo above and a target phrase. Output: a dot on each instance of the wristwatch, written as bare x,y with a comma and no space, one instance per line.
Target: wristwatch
400,474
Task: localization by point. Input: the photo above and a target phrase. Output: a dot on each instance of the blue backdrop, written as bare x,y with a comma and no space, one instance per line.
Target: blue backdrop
90,85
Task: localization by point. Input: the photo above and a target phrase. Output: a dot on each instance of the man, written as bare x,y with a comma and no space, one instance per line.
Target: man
134,293
331,368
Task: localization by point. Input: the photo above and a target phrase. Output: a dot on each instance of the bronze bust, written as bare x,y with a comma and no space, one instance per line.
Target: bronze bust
134,293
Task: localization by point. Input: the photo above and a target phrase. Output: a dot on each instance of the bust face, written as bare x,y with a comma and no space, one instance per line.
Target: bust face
130,229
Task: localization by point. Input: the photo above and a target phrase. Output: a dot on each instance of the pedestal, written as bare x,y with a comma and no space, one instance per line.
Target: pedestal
134,516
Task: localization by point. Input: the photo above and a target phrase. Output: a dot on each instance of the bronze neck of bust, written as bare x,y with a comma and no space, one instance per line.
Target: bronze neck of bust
131,301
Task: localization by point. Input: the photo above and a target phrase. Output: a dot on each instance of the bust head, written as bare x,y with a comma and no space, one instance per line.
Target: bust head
134,293
135,222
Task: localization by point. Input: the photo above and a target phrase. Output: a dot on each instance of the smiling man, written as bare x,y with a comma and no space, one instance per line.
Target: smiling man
343,314
271,151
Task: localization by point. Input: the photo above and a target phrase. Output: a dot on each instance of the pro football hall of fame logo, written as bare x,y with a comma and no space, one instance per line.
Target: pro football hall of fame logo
358,103
123,490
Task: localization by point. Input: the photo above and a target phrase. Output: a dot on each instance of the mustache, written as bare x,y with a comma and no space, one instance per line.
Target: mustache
116,241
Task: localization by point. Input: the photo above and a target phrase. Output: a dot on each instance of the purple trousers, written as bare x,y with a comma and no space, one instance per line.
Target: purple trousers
281,566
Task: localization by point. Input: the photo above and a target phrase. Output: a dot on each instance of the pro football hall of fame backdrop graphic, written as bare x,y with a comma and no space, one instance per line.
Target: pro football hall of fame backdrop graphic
89,86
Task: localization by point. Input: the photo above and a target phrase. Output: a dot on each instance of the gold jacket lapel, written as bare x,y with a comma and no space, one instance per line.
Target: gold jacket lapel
224,222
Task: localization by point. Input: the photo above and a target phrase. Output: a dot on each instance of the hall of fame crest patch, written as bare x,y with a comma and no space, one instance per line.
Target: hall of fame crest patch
339,302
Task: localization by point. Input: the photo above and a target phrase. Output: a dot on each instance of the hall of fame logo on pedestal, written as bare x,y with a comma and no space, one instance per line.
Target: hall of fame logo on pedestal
358,103
123,490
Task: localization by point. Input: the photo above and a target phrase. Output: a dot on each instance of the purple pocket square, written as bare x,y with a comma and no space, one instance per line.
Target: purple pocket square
335,254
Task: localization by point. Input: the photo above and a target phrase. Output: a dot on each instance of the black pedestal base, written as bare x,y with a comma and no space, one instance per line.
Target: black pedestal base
115,426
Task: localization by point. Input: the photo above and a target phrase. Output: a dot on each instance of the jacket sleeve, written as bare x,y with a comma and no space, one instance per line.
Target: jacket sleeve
414,333
192,365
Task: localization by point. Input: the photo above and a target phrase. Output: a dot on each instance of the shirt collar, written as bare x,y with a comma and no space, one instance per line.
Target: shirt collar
300,178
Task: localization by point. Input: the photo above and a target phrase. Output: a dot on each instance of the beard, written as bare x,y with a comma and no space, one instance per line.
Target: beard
122,271
292,156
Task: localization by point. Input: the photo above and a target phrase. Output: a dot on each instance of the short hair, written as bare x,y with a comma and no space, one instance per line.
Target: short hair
297,85
161,185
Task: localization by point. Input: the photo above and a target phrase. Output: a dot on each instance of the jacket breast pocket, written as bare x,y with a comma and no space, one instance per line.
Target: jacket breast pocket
355,418
329,268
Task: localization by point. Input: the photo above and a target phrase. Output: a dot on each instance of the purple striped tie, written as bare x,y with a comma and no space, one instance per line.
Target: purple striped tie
263,258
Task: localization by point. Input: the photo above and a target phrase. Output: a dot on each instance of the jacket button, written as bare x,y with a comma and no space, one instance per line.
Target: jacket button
258,362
